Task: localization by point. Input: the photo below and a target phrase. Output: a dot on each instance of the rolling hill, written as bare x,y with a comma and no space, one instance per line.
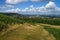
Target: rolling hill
25,28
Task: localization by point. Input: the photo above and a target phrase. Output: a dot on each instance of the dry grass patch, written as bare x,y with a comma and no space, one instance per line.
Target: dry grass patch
27,32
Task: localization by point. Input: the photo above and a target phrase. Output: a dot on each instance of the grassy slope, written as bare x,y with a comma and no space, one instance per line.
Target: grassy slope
19,31
6,21
54,31
31,32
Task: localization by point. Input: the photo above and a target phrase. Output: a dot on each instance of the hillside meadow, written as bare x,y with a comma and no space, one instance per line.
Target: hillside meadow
25,28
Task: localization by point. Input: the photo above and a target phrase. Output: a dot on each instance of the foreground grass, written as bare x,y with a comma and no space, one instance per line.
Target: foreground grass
27,32
54,31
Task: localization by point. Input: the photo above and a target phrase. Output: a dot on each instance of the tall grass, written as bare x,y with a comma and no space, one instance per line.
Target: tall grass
54,31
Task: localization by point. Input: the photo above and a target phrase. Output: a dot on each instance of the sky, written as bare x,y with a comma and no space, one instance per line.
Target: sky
31,6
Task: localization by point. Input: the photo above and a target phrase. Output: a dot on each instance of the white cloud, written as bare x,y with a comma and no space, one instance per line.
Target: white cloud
15,1
2,7
31,6
9,6
13,10
19,1
47,9
51,5
35,0
41,9
41,0
57,9
25,10
6,6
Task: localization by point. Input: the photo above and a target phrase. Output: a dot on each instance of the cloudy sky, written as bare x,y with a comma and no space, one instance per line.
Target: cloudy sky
31,6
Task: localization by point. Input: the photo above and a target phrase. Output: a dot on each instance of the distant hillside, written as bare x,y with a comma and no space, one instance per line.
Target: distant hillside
7,19
10,14
17,15
31,19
